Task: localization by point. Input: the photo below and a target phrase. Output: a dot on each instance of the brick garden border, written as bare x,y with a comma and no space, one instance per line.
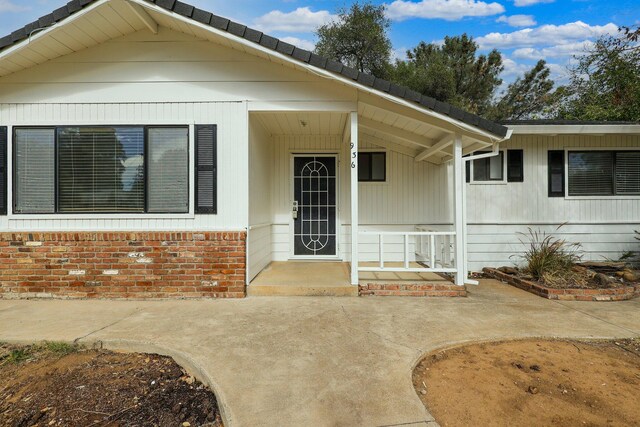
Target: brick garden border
612,294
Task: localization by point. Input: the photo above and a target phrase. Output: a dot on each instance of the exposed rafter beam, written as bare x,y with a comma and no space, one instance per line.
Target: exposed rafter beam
410,137
389,145
438,146
146,19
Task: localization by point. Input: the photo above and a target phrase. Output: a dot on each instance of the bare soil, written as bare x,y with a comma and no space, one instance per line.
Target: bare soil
75,387
533,383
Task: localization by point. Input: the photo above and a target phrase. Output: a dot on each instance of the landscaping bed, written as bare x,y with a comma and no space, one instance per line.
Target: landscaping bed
533,382
56,384
588,286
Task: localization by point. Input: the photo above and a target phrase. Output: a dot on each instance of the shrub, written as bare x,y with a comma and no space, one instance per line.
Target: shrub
548,258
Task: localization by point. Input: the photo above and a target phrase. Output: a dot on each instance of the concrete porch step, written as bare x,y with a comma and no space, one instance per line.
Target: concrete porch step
303,279
272,290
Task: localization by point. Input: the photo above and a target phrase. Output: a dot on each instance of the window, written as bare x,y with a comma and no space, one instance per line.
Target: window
604,173
489,168
372,166
101,169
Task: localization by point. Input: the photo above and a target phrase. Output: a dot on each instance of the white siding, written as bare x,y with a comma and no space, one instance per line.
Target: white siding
169,78
260,210
498,213
231,118
415,193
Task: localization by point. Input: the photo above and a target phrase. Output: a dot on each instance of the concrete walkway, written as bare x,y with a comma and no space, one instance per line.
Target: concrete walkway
314,361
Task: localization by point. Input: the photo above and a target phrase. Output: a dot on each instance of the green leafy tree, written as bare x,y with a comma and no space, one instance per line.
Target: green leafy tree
358,38
605,82
527,97
452,72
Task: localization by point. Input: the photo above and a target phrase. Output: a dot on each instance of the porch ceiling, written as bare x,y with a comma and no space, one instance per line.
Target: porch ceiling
302,122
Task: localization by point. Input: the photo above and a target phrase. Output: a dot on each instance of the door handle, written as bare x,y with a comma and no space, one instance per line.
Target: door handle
295,209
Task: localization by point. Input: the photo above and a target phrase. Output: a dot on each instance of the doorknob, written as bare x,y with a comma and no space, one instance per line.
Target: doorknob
295,209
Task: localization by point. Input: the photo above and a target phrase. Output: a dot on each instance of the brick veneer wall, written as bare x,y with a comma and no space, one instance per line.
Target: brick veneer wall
123,265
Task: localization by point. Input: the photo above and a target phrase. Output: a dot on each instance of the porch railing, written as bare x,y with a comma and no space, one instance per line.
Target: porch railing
434,248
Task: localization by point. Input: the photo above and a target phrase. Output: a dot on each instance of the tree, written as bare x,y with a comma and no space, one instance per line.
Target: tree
454,72
605,82
358,38
526,97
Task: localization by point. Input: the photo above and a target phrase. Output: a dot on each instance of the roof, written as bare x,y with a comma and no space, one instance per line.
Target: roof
546,122
572,127
276,45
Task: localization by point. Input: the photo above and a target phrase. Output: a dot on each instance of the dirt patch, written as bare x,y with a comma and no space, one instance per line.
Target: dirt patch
533,383
59,385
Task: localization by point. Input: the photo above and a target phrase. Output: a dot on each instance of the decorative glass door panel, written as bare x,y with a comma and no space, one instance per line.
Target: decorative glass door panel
314,207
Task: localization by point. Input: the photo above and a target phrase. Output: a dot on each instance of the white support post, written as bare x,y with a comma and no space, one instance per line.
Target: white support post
458,179
353,165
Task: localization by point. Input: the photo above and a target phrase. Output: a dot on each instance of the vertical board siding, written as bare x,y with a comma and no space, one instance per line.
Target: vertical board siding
231,118
499,214
260,206
415,193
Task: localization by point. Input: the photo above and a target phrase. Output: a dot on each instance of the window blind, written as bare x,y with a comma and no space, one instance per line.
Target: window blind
206,165
628,172
34,170
168,170
591,173
3,170
101,169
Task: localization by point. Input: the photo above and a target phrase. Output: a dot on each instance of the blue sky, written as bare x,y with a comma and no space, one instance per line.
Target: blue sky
524,30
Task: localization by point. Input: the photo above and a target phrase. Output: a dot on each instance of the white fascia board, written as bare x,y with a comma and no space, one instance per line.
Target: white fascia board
319,71
48,30
559,129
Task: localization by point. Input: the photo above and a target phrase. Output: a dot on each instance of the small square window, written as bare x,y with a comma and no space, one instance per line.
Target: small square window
372,167
489,168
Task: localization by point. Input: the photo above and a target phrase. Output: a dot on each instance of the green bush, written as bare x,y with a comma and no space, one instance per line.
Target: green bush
548,258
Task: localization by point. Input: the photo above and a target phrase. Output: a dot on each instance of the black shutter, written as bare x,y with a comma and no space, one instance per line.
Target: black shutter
556,173
206,169
467,171
3,170
515,166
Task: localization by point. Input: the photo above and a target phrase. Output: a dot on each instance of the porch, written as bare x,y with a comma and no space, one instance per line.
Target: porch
309,278
312,216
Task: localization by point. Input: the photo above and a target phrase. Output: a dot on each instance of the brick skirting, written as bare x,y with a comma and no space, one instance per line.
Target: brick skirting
415,289
610,294
123,265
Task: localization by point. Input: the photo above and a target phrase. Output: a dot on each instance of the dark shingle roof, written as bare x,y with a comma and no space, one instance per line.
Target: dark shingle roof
280,46
543,122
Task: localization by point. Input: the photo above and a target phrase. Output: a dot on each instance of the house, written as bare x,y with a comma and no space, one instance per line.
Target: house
153,149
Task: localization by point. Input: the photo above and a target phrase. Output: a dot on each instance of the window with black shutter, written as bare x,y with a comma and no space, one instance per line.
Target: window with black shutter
556,173
515,166
206,173
3,170
101,170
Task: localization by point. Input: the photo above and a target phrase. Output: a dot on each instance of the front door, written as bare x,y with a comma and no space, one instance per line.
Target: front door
314,206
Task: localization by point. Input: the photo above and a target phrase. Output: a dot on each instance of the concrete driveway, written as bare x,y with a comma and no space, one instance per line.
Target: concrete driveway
317,361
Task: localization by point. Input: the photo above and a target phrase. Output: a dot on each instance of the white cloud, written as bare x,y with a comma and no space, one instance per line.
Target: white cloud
301,20
450,10
546,35
301,43
522,3
518,20
9,6
557,51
